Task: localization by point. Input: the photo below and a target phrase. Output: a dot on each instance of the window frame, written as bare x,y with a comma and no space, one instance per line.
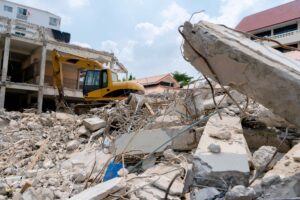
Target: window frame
22,13
53,19
7,8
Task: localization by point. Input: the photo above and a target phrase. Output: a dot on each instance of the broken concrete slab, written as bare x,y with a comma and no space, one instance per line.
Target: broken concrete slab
94,123
231,164
164,121
64,116
85,160
287,166
256,70
102,190
146,141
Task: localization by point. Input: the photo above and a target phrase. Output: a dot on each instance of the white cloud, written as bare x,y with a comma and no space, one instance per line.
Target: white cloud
124,54
82,44
172,16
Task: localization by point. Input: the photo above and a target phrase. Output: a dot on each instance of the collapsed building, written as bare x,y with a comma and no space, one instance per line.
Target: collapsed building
27,37
231,137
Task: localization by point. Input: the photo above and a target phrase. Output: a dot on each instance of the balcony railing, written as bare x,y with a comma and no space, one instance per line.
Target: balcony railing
283,35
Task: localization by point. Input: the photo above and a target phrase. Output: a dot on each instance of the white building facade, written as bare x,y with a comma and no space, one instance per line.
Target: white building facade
30,15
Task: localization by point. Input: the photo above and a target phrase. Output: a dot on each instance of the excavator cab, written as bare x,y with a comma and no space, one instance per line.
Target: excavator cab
94,80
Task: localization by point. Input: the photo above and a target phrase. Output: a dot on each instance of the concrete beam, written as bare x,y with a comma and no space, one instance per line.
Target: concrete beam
4,71
42,77
255,70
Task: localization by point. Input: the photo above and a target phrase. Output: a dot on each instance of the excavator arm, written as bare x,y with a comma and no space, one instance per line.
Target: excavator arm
81,63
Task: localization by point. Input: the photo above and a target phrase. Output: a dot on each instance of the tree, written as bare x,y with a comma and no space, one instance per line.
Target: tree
182,78
131,77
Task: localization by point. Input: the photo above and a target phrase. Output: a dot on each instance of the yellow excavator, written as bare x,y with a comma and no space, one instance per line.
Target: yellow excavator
100,84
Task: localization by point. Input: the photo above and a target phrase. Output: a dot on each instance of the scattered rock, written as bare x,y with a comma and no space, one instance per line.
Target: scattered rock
240,192
270,180
214,148
263,156
30,194
72,145
82,131
2,189
204,194
296,156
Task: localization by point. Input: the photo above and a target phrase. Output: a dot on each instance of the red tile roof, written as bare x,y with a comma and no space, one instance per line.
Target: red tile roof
156,79
276,15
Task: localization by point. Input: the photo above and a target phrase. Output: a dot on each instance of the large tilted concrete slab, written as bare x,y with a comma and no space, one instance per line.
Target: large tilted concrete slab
230,165
260,72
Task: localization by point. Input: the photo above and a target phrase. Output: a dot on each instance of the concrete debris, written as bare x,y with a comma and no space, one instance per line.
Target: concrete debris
171,145
240,192
270,180
72,145
287,166
94,123
102,190
214,148
205,194
230,52
263,156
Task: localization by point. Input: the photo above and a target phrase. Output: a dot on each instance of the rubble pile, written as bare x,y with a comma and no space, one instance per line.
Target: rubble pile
148,148
208,142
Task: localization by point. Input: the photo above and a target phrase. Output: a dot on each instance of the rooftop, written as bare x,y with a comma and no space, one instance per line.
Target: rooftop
154,79
28,7
272,16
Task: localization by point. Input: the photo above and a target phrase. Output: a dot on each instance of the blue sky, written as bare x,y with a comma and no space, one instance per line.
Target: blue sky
143,33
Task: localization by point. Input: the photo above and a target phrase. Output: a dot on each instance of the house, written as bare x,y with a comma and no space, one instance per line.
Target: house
281,23
159,84
27,38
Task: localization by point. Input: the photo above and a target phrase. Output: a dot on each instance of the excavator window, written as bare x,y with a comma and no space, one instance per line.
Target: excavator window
94,80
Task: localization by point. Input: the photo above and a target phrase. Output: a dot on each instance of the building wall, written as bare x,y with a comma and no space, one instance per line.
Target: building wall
34,16
70,75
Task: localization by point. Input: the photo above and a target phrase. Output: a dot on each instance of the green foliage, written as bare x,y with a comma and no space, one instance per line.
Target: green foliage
131,77
182,78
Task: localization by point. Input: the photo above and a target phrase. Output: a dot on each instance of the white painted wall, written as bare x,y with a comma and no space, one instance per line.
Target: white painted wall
34,16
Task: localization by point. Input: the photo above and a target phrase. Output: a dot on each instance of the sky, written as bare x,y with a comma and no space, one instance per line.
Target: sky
143,33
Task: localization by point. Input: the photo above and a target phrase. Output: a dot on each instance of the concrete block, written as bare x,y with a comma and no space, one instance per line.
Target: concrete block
231,164
94,123
146,141
102,190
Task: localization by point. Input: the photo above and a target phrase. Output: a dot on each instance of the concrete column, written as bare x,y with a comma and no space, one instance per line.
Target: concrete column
1,54
4,71
42,77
